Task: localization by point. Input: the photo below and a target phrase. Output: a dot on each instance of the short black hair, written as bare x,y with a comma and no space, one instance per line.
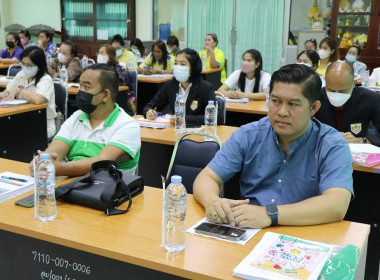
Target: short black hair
314,57
172,40
117,38
37,56
108,78
47,34
73,48
357,47
301,75
17,38
313,41
195,63
350,67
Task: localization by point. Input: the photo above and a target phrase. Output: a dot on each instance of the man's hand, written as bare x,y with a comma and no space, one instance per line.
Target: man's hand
220,210
350,138
53,158
151,114
251,216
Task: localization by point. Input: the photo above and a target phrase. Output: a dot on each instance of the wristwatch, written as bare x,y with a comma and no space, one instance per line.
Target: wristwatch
19,87
272,211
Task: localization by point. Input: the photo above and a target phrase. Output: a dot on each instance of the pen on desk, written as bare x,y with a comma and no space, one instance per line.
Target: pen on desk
14,179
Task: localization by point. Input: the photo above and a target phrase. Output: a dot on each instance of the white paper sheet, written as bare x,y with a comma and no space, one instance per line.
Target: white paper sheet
11,188
13,102
364,148
241,100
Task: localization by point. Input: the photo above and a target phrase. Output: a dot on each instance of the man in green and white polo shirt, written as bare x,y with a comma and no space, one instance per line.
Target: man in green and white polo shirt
100,130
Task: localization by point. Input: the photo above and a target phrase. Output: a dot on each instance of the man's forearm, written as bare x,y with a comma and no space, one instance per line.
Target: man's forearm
205,188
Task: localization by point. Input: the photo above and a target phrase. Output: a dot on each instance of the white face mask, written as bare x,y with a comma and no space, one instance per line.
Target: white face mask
181,73
62,58
119,52
323,54
102,58
338,99
303,63
29,71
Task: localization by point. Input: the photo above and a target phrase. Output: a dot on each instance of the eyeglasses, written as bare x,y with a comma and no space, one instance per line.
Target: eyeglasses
311,40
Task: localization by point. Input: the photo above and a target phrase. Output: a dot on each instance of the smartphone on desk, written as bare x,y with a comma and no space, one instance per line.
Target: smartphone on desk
221,231
26,201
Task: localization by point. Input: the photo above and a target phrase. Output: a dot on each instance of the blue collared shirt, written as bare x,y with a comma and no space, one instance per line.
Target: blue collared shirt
319,160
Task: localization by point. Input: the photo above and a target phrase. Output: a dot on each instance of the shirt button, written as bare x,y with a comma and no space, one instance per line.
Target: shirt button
284,160
273,200
279,180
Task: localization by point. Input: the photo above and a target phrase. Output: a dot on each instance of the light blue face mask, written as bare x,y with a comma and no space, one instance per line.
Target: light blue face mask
29,71
181,73
135,51
350,58
119,52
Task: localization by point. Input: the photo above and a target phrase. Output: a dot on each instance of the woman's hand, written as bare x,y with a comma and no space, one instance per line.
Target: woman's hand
172,119
11,95
156,71
209,50
151,114
238,94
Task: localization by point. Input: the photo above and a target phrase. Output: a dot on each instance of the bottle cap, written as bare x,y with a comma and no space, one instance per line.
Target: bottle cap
211,102
44,156
176,179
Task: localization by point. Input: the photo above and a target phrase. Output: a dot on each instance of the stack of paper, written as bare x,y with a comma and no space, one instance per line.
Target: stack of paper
365,154
159,122
6,79
13,102
281,257
12,187
156,75
241,100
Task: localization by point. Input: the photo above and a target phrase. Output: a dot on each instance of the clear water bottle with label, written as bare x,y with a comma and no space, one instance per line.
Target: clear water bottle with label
131,66
210,119
180,114
84,61
64,74
365,78
45,206
204,61
175,214
48,59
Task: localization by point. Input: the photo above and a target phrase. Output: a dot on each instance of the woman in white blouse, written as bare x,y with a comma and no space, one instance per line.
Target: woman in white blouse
34,84
249,82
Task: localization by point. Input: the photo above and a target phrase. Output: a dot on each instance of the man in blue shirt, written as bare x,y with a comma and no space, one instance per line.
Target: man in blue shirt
294,169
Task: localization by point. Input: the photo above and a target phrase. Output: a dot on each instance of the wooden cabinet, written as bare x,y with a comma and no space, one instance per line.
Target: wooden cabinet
357,22
92,23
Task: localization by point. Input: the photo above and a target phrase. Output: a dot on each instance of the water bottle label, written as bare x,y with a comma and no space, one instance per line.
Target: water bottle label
44,178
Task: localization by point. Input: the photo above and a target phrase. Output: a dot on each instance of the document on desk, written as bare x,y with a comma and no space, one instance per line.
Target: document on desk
365,154
6,79
250,232
159,122
281,257
13,102
12,184
240,100
156,75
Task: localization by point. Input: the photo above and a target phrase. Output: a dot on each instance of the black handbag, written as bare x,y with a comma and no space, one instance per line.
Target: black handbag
103,188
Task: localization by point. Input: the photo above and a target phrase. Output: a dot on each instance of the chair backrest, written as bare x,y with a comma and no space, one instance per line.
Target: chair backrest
133,82
190,157
90,61
12,70
225,64
60,96
221,106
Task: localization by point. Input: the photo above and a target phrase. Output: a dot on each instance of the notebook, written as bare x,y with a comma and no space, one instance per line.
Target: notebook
365,154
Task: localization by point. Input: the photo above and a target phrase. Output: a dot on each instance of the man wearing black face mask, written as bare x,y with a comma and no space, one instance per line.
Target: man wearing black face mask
100,130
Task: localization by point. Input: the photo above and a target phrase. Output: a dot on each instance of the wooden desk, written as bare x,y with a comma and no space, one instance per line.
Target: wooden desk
23,130
4,65
239,114
128,245
213,77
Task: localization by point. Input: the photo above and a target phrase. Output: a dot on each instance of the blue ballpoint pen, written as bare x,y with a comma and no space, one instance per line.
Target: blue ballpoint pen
14,179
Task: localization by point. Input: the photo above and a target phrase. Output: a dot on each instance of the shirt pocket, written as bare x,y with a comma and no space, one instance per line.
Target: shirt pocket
300,188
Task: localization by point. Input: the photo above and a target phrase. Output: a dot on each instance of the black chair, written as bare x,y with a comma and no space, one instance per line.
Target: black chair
190,157
221,102
13,69
225,64
60,96
133,82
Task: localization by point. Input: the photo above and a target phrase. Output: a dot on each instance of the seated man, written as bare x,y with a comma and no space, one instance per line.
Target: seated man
355,111
294,169
100,130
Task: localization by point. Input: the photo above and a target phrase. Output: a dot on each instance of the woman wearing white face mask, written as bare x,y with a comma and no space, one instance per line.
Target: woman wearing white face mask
328,52
188,82
67,56
123,56
249,82
310,58
34,84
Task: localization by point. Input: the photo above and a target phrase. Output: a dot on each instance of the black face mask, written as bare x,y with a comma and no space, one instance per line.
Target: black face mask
10,44
84,101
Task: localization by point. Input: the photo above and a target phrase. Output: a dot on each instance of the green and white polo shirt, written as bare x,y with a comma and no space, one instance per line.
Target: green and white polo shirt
119,130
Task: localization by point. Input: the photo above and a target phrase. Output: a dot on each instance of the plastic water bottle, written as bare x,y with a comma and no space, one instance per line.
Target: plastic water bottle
175,214
204,61
84,61
365,78
46,207
48,59
210,119
180,114
131,66
64,74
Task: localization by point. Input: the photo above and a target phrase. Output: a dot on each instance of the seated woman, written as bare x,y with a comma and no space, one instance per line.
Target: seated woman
67,56
173,45
311,44
249,82
45,42
123,56
25,39
310,58
376,76
188,82
352,57
158,61
214,56
138,49
14,50
328,53
34,84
